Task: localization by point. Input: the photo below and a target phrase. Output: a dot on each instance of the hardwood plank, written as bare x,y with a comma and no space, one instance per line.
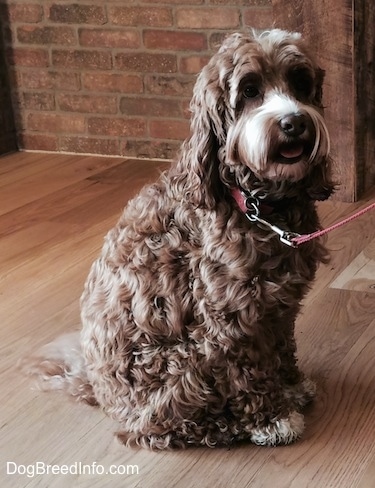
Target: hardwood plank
368,477
360,274
27,164
11,165
46,182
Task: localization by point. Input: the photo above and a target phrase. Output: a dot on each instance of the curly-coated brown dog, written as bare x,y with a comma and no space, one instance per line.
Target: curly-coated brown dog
188,314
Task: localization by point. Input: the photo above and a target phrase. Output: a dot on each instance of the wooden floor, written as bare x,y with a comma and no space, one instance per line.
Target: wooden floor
54,212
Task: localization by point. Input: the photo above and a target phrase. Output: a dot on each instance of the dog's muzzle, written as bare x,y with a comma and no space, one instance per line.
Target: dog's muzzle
297,134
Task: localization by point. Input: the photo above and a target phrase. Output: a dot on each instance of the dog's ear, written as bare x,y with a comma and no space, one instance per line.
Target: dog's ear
199,159
320,185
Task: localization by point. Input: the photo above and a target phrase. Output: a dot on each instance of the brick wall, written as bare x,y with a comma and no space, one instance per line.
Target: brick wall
113,77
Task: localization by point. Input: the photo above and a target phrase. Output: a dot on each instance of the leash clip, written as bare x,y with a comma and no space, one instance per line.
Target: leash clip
252,204
288,238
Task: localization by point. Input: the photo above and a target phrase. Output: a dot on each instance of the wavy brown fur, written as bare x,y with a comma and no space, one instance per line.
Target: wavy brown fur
188,314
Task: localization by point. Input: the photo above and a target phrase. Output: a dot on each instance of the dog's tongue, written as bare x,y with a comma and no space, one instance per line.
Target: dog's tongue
292,151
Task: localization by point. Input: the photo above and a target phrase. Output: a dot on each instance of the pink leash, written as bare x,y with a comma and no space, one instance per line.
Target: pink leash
308,237
252,208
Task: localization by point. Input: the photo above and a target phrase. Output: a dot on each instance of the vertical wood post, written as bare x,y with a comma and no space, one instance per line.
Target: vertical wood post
342,34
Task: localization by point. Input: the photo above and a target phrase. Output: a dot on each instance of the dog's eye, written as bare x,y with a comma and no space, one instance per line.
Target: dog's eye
251,91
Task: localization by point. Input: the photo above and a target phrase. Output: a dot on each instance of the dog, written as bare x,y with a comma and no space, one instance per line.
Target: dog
188,314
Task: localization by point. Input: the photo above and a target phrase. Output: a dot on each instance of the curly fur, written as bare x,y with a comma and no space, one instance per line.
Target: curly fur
188,314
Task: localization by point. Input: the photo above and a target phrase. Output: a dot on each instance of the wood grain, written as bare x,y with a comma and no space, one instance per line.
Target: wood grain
48,239
360,274
364,79
342,36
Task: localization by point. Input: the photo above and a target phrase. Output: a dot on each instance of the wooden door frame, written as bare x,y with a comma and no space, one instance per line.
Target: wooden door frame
342,34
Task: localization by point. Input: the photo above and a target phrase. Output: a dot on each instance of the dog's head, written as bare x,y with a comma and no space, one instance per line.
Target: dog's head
257,113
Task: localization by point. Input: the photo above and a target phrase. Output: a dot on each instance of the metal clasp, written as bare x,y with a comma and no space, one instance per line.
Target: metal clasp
288,239
252,204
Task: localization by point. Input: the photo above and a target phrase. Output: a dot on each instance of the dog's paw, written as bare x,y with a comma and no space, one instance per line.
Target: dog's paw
282,431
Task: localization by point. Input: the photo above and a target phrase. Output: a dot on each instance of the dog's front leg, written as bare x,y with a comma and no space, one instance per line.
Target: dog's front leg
298,388
266,420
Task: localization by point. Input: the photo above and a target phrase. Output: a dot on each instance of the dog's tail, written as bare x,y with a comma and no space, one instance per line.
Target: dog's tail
60,365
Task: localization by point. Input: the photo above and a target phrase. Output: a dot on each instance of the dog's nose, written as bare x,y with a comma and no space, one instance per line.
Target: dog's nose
293,125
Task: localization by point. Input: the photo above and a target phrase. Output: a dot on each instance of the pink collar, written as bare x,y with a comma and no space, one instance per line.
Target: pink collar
241,200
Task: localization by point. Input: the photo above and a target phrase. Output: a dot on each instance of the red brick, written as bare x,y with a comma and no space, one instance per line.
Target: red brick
145,62
112,82
56,123
34,58
87,104
253,3
153,107
156,39
169,129
178,2
38,142
109,38
141,16
216,39
259,18
90,145
30,34
193,64
14,76
82,59
75,13
207,18
186,109
117,127
24,12
150,149
181,86
38,101
49,80
19,115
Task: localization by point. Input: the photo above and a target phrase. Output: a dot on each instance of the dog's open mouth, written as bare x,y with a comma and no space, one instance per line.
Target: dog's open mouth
290,153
